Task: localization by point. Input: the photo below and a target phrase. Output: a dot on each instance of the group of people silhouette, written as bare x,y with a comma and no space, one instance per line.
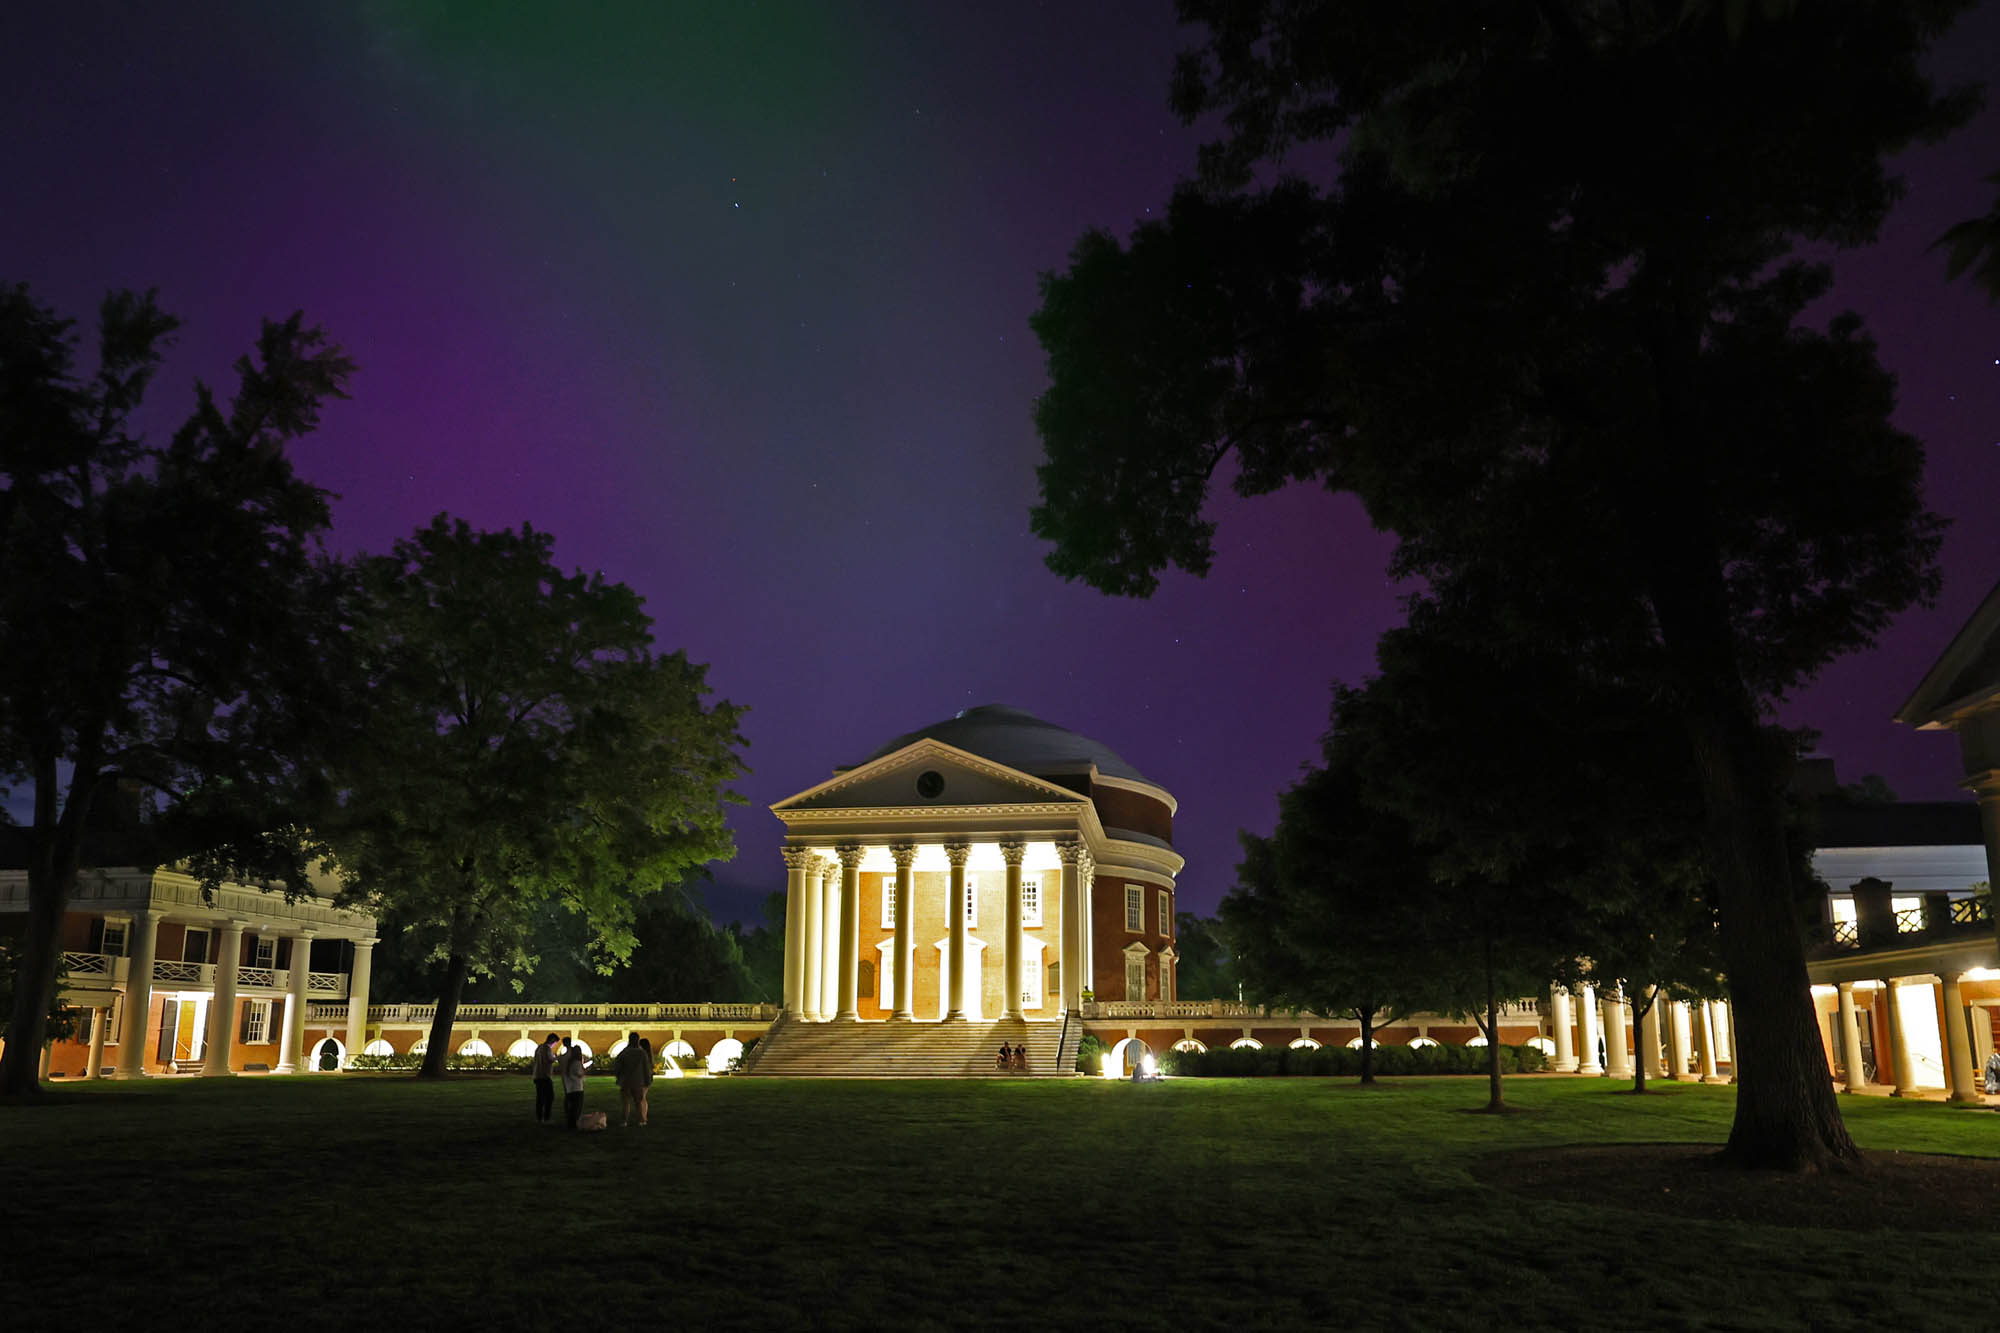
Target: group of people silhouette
1014,1058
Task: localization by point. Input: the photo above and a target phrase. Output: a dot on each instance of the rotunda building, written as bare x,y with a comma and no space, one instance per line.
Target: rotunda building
988,867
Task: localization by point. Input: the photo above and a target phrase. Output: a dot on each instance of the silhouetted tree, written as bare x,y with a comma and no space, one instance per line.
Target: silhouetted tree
166,620
1546,323
524,745
1972,248
1206,968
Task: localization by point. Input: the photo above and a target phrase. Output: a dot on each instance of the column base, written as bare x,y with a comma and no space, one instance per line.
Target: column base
284,1068
1015,1016
849,1016
218,1073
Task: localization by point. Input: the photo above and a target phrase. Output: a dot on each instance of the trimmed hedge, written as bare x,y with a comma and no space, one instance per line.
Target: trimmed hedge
480,1064
1342,1062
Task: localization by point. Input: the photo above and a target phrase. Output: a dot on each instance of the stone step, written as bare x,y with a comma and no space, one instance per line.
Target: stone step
797,1049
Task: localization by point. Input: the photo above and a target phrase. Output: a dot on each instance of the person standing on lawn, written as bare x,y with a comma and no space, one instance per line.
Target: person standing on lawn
544,1070
634,1070
572,1077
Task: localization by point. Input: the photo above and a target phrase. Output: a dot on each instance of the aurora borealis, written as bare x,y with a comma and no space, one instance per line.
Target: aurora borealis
733,300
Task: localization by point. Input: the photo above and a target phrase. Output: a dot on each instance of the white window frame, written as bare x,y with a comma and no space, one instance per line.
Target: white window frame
888,902
1132,961
114,1018
1031,981
255,1025
1031,899
1135,908
115,948
265,952
207,943
1166,914
972,901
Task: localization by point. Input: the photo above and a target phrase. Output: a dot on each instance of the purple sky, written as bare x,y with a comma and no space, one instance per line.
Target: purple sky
740,315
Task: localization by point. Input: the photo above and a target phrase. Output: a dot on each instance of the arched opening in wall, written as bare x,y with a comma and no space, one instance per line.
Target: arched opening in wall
1542,1044
1418,1043
583,1046
475,1046
1476,1039
329,1055
1355,1045
524,1049
1246,1044
679,1049
1304,1044
617,1046
1129,1052
720,1054
1190,1045
379,1046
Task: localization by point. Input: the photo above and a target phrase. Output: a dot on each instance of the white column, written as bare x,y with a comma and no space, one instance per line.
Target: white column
1958,1043
1087,887
1902,1068
1586,1030
797,861
144,934
1725,1037
292,1048
1850,1038
1010,1003
1649,1039
357,997
99,1020
222,1009
850,932
1618,1055
1982,1035
1559,1020
813,964
1071,960
829,941
906,958
954,912
1677,1040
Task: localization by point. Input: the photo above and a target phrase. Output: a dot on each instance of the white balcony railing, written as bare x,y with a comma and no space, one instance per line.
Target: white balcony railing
1163,1009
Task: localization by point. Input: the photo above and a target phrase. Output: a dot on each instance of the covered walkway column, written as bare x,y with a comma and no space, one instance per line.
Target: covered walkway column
829,940
1958,1042
1903,1071
1618,1056
357,997
1086,869
1071,853
1704,1036
98,1022
293,1041
1559,1019
905,965
797,862
850,931
1850,1038
1010,1003
1677,1040
1649,1037
1586,1030
956,853
1725,1036
222,1009
138,995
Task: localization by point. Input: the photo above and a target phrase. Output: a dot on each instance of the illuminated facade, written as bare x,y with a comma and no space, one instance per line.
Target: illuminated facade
175,982
990,867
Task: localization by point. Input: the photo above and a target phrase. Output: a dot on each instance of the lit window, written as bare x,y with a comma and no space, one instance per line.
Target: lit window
1250,1044
1031,900
114,939
888,902
264,952
972,900
1304,1044
114,1020
522,1049
1135,908
256,1022
1031,987
1135,976
1166,913
381,1047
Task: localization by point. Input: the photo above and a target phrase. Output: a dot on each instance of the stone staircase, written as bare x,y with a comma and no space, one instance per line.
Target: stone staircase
796,1049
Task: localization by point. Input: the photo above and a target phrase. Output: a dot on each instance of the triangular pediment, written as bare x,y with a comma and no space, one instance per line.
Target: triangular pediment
1966,676
928,773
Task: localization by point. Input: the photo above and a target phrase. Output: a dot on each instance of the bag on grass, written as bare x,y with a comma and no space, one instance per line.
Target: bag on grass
591,1120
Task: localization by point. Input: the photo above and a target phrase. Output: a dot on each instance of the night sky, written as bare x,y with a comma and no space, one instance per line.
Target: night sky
736,306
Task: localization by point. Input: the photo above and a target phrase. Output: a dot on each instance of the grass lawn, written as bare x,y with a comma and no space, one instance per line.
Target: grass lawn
380,1201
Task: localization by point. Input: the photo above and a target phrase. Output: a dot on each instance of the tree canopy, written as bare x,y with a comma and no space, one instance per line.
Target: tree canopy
169,623
1544,317
524,746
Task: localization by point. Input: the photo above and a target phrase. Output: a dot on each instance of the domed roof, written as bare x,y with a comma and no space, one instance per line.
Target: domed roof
1020,740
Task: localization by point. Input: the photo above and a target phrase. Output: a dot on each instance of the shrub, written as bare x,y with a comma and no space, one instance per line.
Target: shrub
1343,1062
485,1064
1089,1055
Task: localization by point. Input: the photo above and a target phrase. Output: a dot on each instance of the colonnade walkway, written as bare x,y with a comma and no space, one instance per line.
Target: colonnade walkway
901,1048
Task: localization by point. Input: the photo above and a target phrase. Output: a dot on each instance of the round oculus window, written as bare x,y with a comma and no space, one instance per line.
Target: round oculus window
930,783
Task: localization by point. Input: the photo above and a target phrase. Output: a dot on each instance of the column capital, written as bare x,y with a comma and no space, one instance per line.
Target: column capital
1013,853
304,933
1844,987
904,854
1070,851
368,943
827,866
797,858
850,854
957,853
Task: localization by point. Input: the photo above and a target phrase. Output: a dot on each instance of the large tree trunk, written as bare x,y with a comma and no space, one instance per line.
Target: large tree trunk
1786,1115
1639,1053
1367,1017
439,1044
54,852
1495,1100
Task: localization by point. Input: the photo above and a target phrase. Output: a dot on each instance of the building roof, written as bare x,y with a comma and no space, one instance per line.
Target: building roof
1901,824
1022,741
1966,676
